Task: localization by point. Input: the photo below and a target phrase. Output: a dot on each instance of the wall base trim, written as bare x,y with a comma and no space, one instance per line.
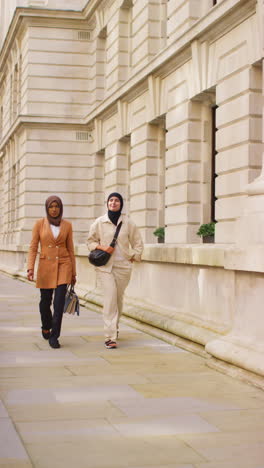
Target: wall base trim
236,372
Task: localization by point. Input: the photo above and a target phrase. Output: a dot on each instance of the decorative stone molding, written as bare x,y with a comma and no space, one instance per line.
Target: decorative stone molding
199,79
98,134
154,87
122,115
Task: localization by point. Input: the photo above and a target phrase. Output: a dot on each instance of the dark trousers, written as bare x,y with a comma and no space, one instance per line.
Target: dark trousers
48,320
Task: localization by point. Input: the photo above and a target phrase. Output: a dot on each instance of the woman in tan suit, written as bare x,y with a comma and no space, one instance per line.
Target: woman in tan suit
56,266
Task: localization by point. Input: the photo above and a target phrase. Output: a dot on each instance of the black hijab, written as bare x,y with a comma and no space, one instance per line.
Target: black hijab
114,215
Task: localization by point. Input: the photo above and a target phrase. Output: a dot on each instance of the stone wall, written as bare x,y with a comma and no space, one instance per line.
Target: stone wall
161,101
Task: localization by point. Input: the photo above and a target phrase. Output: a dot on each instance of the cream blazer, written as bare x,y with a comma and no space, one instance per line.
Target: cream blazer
129,239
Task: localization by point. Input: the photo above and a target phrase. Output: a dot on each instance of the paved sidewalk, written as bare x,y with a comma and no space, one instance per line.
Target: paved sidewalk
145,405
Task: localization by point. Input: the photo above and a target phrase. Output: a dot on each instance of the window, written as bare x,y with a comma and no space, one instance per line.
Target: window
213,174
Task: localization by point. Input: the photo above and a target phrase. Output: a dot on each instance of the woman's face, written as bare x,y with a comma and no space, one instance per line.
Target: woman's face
114,204
54,209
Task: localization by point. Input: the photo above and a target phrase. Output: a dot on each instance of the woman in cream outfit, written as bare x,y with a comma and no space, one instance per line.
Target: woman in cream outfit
115,275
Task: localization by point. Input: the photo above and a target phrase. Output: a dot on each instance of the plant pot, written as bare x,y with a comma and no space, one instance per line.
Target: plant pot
208,239
160,240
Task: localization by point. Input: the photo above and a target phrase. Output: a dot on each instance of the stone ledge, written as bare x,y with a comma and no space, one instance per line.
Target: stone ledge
192,254
237,355
227,256
236,372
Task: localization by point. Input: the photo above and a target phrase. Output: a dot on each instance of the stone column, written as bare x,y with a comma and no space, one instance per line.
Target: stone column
250,226
239,147
117,170
144,179
183,172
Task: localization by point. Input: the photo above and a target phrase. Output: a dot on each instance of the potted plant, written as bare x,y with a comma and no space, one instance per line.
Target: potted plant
206,231
160,233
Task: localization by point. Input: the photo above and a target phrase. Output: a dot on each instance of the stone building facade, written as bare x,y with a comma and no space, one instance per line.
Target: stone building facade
161,100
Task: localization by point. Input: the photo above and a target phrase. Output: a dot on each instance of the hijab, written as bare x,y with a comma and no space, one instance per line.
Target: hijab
114,215
55,221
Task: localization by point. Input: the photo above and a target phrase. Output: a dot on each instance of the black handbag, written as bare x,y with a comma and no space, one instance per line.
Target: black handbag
99,257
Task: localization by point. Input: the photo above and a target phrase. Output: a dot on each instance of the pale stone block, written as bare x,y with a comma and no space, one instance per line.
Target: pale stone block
112,83
48,134
56,186
179,114
69,211
57,45
139,20
141,36
184,152
49,96
53,70
232,61
177,94
112,53
145,218
138,7
115,178
186,131
236,84
235,182
52,83
187,213
239,108
143,201
66,34
182,173
58,58
117,162
187,192
55,147
230,207
57,110
111,149
239,157
138,119
144,184
69,199
225,232
140,55
141,134
148,166
48,160
236,133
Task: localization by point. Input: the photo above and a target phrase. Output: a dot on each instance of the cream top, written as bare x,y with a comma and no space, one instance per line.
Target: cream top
55,230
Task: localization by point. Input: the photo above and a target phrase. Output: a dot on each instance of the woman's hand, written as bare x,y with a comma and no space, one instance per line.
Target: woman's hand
30,275
107,249
73,281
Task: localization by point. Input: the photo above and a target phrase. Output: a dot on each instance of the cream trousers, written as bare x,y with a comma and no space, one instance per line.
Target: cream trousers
113,284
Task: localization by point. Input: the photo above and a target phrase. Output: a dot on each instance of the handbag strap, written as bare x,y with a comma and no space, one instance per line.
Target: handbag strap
113,243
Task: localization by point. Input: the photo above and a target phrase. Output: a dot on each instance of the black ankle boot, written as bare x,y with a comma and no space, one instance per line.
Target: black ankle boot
45,334
54,343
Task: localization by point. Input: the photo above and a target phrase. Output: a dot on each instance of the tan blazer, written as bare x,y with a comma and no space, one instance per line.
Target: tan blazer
56,259
129,238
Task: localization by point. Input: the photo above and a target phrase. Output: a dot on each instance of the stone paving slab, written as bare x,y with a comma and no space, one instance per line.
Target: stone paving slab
145,405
